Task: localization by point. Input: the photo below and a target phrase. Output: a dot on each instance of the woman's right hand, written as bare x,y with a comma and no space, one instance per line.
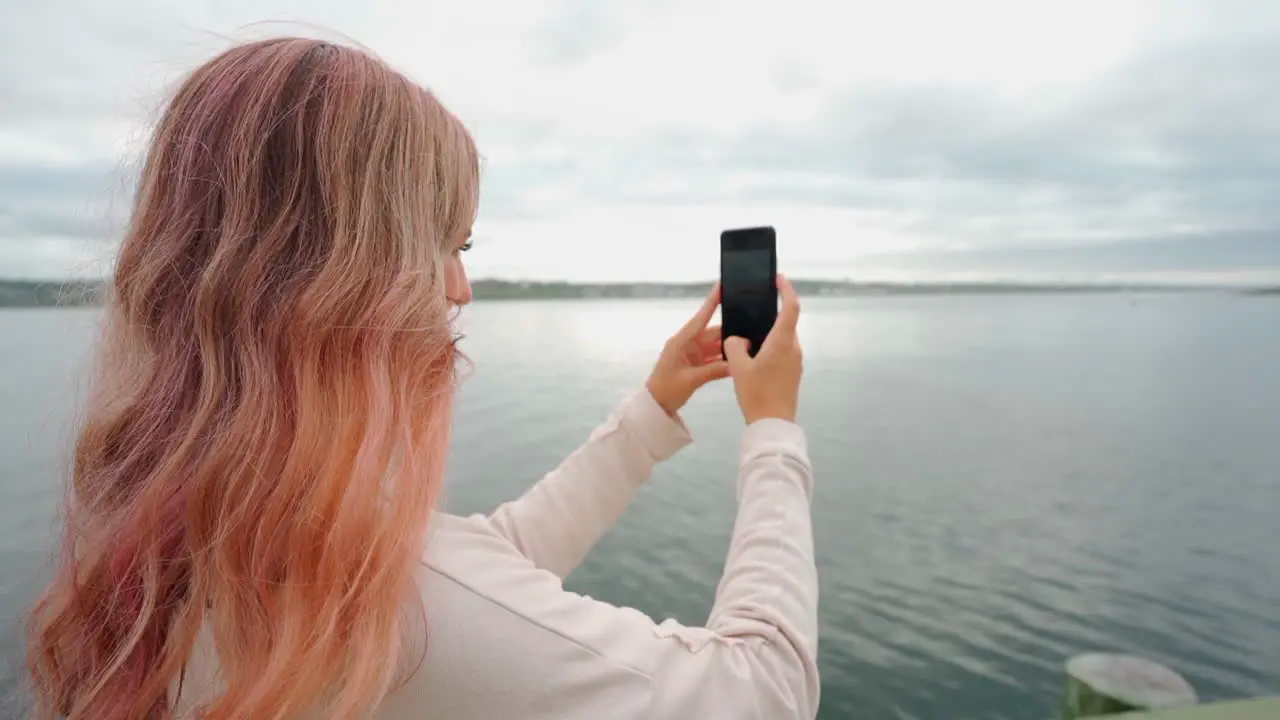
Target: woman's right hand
768,385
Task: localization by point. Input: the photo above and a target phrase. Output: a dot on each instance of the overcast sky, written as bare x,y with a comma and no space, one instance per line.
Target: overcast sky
913,138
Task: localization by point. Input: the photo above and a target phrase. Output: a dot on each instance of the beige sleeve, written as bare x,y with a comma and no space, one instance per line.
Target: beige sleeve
758,655
562,655
557,521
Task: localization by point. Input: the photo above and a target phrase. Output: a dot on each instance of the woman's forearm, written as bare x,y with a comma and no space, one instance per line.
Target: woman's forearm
557,521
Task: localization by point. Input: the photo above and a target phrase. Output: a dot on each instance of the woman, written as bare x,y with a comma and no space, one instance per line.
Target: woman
251,529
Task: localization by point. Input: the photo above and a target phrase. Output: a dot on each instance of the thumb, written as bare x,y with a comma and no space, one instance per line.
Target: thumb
735,351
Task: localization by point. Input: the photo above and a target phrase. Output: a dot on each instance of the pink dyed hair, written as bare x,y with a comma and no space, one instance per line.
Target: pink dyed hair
266,433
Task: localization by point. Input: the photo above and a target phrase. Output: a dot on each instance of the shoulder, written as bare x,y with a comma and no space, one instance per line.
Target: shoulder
468,563
504,638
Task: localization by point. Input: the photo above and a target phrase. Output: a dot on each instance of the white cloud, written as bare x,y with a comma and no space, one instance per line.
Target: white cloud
680,242
575,104
713,63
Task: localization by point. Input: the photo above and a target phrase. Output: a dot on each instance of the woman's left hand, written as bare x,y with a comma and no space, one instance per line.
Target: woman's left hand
690,359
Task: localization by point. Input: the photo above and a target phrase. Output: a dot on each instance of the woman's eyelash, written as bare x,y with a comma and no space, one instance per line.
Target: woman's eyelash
465,246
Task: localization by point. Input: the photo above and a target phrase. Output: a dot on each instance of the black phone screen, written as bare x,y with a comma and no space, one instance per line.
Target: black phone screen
749,292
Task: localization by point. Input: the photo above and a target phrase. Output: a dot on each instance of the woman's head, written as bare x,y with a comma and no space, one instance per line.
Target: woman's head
267,428
318,162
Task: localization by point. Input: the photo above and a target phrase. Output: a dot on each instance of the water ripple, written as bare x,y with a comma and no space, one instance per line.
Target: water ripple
1000,483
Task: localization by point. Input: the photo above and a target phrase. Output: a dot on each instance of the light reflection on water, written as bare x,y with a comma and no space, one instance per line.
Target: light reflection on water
1002,482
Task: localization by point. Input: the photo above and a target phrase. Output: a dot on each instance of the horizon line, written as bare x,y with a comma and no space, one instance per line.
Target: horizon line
987,281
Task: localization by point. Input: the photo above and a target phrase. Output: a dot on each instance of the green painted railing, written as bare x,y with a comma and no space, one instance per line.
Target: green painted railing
1261,709
1125,686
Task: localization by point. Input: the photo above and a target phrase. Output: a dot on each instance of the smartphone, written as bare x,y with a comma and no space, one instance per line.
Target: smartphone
748,284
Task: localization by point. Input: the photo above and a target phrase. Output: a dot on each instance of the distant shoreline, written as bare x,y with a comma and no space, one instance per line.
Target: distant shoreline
87,293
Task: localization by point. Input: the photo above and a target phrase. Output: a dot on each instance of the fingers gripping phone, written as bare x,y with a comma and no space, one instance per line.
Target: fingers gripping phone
748,284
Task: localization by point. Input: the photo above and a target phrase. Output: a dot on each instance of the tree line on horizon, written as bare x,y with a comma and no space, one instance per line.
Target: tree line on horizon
81,293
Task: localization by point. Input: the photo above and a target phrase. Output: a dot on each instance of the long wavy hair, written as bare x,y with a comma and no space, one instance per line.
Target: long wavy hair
269,415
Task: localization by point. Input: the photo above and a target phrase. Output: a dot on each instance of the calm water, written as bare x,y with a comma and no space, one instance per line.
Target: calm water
1002,481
